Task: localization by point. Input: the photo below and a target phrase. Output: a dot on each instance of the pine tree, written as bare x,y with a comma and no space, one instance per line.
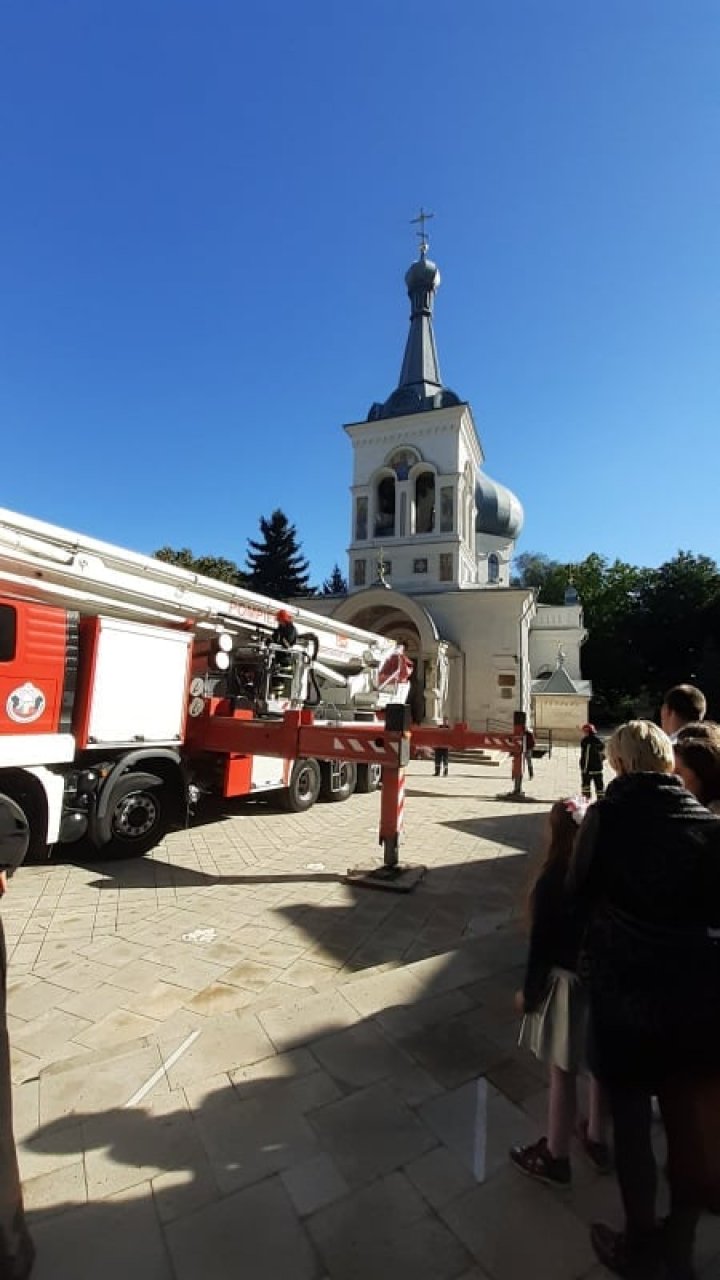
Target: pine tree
276,565
336,584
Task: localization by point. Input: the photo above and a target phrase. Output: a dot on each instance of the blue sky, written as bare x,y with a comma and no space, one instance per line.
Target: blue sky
205,224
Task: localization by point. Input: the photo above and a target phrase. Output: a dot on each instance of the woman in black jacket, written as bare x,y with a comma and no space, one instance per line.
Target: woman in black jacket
646,875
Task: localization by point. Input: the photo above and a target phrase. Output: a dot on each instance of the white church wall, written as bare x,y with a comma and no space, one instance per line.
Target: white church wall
557,627
445,437
410,566
443,442
488,545
486,626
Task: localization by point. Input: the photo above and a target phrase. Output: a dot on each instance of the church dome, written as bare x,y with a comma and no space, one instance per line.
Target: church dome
423,274
499,512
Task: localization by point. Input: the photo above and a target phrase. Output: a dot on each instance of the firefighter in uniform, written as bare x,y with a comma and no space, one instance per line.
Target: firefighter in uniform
284,636
592,758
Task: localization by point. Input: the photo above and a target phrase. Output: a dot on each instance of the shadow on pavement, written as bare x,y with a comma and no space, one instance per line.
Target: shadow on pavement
212,1181
523,831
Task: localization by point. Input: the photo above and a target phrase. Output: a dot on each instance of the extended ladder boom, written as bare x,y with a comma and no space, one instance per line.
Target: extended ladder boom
43,561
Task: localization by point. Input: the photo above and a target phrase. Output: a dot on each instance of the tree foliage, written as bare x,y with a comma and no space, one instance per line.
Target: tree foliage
336,584
275,563
648,628
217,567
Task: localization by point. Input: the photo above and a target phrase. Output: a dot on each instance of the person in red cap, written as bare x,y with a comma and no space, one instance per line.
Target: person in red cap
285,633
592,759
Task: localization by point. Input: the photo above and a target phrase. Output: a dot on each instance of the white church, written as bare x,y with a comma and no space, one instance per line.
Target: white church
431,550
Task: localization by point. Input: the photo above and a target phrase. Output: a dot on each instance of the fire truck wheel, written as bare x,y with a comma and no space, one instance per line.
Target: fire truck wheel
344,785
369,777
139,816
304,787
14,833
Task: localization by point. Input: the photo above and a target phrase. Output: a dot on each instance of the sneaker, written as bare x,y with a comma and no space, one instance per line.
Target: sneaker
598,1153
536,1161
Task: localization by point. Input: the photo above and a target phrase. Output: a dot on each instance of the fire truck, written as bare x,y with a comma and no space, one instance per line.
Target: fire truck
129,687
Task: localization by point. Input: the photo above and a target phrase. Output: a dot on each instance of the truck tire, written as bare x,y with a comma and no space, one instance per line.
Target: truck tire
26,792
303,788
346,785
139,816
14,833
369,777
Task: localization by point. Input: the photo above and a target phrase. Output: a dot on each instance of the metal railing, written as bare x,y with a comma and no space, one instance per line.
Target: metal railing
543,737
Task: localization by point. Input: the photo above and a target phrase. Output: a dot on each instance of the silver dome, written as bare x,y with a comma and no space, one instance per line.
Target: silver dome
499,512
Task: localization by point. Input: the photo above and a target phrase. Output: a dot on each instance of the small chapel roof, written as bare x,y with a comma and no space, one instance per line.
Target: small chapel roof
560,682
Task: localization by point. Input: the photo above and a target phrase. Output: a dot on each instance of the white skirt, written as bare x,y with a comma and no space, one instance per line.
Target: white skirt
557,1032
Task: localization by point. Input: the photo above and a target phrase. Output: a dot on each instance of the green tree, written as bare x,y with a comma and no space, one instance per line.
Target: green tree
336,584
611,657
217,567
276,565
678,611
548,577
647,628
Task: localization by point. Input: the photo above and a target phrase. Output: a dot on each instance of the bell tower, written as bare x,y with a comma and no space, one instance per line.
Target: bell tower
415,459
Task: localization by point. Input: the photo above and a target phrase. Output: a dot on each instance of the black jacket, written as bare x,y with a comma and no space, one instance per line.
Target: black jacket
285,634
592,753
555,935
645,876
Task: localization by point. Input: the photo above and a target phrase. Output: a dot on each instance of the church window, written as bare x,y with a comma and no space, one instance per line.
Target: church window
425,502
446,566
359,573
506,693
401,462
403,514
493,568
385,508
419,566
447,509
361,519
506,680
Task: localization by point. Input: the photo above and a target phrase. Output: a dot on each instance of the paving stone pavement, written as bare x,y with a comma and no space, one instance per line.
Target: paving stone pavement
227,1062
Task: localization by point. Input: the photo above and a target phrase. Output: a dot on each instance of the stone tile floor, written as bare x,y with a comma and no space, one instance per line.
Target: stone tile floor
227,1062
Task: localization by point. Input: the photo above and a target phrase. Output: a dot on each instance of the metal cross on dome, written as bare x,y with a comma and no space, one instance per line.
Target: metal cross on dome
422,218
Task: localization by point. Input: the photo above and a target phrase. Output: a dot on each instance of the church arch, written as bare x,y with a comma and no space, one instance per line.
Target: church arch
406,622
377,606
385,502
401,461
424,499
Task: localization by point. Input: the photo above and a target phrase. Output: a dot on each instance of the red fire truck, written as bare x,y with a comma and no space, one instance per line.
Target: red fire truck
115,670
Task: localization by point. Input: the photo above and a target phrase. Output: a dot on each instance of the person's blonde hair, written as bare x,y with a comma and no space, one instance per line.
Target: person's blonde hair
640,747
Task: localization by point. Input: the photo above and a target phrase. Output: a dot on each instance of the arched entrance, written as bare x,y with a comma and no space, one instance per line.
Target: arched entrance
403,620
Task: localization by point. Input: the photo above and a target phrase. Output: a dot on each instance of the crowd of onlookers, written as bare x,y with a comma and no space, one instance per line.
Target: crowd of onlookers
623,981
